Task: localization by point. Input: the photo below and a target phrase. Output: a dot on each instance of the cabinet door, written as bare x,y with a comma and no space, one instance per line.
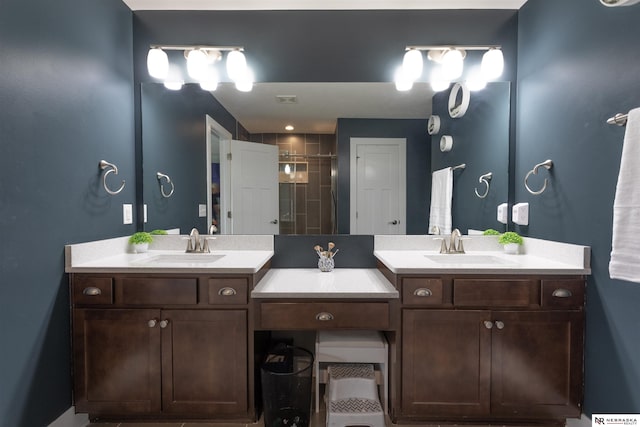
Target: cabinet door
446,358
116,361
537,364
204,362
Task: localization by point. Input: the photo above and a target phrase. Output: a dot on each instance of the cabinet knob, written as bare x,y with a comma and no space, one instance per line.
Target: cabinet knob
227,292
164,323
324,316
152,323
423,292
561,293
488,324
499,324
91,291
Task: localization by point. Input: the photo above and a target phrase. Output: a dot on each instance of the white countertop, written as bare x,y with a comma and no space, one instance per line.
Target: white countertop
420,255
313,283
232,254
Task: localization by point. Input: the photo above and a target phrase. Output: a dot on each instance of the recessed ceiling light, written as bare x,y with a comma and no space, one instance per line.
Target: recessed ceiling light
289,127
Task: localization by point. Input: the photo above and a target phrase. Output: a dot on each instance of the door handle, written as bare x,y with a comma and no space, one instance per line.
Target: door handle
275,221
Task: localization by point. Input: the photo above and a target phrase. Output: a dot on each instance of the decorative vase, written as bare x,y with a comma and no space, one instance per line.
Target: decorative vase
140,247
325,263
511,248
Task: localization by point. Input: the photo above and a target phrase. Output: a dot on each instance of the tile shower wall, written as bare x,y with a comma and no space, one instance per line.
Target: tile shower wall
314,208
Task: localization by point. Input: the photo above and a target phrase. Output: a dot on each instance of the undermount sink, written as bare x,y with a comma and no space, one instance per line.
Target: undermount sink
180,258
467,259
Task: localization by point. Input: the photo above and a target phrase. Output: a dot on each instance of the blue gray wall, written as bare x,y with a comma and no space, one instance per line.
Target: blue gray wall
579,64
66,102
481,142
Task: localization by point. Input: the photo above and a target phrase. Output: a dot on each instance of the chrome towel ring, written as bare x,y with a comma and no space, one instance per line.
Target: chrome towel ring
160,176
484,179
111,169
547,164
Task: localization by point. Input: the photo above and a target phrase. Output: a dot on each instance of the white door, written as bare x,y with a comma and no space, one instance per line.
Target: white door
378,186
252,203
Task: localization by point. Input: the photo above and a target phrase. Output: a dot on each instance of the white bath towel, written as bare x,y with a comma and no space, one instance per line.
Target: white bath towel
625,246
441,195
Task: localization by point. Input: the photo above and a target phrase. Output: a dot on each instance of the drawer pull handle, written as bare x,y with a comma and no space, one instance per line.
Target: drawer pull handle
423,292
152,323
227,292
562,293
92,291
164,323
499,324
488,324
324,316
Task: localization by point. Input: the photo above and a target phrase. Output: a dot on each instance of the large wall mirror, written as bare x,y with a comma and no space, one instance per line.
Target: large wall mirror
312,162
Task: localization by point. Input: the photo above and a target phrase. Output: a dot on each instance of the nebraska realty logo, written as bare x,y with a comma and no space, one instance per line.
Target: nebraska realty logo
601,420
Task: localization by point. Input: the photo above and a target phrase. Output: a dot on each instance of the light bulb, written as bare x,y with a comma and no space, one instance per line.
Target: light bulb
492,64
244,82
210,80
452,64
438,81
173,84
174,80
236,64
287,169
289,127
403,83
412,64
196,64
157,63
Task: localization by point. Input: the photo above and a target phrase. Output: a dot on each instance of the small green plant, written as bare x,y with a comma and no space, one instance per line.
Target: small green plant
159,232
491,232
510,237
140,237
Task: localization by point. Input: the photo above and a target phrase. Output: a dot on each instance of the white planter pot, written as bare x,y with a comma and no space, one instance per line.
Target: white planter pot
511,248
140,248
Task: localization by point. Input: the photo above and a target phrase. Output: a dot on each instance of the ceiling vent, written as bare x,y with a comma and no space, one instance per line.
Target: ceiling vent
287,99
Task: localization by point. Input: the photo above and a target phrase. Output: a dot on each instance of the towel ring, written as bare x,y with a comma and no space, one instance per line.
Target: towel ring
484,179
161,175
547,164
112,169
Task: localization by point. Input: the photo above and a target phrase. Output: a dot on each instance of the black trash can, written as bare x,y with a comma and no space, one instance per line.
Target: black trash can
286,386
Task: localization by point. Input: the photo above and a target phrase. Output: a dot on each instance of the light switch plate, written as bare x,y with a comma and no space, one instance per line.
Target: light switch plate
127,213
520,213
202,211
503,213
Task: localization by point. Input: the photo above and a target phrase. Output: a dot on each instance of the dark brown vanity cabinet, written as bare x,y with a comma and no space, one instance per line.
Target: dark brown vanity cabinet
492,348
161,347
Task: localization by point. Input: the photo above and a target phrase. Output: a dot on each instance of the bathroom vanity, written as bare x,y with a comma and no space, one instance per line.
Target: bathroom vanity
491,339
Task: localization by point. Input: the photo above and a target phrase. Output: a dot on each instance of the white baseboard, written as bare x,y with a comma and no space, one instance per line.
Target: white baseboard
70,419
583,421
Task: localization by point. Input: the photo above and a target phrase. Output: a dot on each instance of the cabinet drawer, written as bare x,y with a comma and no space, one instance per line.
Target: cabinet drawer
92,290
321,315
563,293
158,291
422,291
228,290
496,292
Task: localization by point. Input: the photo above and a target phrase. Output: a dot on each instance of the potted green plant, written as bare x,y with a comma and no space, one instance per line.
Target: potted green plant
491,232
511,242
159,232
140,241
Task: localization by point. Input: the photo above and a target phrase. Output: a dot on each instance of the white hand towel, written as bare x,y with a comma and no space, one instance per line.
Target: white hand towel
441,195
625,252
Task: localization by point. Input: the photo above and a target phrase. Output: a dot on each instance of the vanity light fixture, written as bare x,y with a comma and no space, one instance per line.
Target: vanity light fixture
200,65
449,65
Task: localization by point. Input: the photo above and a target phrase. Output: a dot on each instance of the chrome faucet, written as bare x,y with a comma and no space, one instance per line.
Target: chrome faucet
194,245
455,243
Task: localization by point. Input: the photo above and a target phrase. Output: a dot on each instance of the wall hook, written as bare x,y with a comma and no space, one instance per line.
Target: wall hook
547,164
161,175
111,168
484,179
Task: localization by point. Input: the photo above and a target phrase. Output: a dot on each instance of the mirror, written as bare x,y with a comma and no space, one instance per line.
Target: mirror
173,143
